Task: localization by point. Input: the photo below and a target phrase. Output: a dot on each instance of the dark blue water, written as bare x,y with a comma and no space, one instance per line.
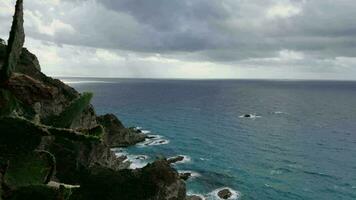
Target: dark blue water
303,145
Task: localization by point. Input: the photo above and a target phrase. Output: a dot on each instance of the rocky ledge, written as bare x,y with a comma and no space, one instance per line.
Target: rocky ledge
54,146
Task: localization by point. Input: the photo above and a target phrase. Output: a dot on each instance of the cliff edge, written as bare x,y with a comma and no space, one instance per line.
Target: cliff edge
54,146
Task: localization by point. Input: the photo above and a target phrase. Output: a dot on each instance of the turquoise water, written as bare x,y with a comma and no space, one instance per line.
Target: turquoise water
302,145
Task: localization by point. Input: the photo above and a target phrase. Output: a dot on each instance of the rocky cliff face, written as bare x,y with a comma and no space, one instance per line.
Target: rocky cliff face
54,146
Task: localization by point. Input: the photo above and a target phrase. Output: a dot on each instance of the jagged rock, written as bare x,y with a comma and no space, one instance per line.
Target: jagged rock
51,98
76,153
27,58
175,159
116,135
224,193
155,181
185,176
15,43
193,197
70,113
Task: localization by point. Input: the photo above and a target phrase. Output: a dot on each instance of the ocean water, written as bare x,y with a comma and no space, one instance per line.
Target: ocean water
299,144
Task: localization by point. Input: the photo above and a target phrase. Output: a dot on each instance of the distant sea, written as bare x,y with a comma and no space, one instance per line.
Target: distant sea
299,143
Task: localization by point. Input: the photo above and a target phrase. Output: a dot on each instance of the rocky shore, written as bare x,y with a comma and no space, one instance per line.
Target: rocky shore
54,146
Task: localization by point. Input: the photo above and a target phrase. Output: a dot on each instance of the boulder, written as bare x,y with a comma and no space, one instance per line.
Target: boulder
185,176
225,193
175,159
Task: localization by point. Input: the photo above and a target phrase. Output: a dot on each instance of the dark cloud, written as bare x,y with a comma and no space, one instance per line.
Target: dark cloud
234,32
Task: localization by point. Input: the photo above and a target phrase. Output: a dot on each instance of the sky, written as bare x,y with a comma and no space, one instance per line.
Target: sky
191,39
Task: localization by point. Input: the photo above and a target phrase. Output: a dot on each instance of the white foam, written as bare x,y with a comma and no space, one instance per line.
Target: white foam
252,116
276,172
192,173
136,161
145,131
138,128
214,194
279,112
153,140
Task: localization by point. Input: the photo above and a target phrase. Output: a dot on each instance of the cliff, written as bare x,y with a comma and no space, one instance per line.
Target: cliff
54,146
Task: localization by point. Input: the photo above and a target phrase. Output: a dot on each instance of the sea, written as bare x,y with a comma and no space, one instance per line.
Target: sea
262,139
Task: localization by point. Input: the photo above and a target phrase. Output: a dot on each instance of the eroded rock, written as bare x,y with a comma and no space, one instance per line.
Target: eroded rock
116,135
225,193
15,43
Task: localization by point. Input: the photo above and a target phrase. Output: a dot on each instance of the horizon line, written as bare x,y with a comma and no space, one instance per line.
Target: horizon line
197,79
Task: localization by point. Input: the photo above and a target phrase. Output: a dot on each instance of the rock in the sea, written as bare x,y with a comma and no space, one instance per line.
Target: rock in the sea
15,43
116,135
193,197
247,115
175,159
185,176
225,193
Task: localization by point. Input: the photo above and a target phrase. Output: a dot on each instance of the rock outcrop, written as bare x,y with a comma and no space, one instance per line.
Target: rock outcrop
116,135
225,193
49,133
15,43
175,159
155,181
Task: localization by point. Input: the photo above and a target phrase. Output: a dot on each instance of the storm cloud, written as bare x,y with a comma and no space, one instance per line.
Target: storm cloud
192,38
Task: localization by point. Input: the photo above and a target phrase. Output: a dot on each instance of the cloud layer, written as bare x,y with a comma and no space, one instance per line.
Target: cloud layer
310,39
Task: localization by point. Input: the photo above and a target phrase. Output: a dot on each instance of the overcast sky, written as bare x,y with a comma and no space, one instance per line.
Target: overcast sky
284,39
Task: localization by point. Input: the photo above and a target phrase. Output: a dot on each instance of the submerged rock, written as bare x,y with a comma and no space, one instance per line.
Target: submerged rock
225,193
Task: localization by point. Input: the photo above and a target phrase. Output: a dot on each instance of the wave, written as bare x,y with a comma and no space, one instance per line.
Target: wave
250,116
279,112
136,161
279,171
214,194
193,174
153,140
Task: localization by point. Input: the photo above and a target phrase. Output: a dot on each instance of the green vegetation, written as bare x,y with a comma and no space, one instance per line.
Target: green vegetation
33,169
72,112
